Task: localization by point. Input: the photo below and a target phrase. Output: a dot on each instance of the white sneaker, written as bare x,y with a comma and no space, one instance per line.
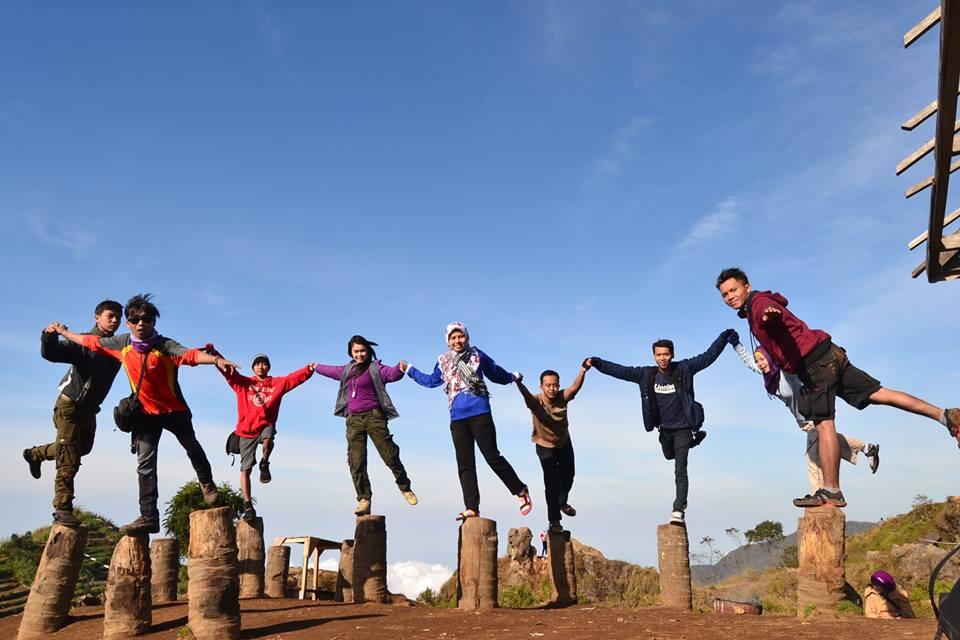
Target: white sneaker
676,517
363,507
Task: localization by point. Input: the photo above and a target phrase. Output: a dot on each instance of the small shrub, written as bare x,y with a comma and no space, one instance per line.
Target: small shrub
849,607
520,597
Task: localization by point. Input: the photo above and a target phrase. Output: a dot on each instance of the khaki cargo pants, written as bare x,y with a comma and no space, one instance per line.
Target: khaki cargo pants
374,424
76,428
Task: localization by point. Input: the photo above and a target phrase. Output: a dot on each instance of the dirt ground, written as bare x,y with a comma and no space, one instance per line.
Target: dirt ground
302,620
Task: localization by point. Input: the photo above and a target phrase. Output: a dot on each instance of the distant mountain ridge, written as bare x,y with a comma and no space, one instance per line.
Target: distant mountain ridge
756,557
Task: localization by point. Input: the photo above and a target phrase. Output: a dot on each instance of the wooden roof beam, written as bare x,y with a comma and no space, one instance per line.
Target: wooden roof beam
949,77
920,186
948,260
921,116
920,239
921,28
917,155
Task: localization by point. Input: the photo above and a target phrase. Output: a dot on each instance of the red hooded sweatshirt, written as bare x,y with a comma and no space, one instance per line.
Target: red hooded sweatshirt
258,401
785,336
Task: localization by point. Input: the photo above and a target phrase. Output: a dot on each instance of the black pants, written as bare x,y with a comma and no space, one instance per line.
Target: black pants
558,470
676,446
146,440
480,430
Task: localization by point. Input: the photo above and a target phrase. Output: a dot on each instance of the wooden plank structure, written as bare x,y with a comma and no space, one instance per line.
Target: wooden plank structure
942,261
312,548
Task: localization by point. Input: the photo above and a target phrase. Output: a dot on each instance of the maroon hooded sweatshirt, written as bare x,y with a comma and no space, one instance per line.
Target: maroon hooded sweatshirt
785,336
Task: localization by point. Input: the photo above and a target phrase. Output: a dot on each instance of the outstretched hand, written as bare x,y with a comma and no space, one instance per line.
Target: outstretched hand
587,363
771,314
404,365
733,337
225,365
53,327
517,376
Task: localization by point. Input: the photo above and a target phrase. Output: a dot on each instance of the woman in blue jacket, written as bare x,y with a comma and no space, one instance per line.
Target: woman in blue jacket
461,371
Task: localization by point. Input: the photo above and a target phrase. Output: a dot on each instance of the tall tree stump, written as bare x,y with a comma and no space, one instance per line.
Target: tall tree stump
820,548
563,575
674,551
127,607
370,560
278,569
343,591
250,553
48,604
165,567
477,564
214,589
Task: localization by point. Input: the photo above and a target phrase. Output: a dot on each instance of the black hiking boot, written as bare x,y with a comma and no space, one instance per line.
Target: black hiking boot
698,437
140,526
265,476
33,462
66,518
249,513
820,498
873,454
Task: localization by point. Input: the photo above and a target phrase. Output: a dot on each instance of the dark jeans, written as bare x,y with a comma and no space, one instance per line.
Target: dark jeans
76,428
374,424
146,440
480,430
558,470
676,446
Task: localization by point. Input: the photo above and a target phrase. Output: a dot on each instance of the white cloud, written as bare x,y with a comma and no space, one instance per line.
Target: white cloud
78,242
714,225
411,577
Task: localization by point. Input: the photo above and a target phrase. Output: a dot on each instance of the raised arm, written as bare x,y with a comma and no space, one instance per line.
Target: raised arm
52,349
528,398
435,379
571,392
328,370
630,374
193,357
747,357
494,372
105,346
297,378
708,357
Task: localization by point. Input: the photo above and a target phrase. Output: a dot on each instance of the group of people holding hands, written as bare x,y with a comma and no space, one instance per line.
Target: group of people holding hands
800,366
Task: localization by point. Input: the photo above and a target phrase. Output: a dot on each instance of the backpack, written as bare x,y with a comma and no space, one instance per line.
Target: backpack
232,446
948,611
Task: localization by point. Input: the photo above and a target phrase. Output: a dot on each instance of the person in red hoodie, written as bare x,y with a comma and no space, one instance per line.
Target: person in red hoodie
825,372
258,406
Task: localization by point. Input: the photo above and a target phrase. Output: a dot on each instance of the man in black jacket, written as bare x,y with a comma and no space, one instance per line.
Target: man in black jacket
82,391
669,404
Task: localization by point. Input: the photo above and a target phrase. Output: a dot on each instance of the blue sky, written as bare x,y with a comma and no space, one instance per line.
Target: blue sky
565,177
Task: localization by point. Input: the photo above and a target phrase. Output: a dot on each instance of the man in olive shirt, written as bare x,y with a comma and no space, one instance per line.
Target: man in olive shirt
551,435
82,391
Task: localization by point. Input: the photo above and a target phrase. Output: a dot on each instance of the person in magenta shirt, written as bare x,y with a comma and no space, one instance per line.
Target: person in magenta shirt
363,400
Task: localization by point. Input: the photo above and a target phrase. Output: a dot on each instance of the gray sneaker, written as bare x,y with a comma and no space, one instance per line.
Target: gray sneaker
210,494
820,498
140,526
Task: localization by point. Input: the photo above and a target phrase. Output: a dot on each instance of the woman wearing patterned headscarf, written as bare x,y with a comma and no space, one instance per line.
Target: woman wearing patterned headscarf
461,371
787,388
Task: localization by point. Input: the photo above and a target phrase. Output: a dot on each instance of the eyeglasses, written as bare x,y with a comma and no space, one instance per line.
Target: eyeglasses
144,319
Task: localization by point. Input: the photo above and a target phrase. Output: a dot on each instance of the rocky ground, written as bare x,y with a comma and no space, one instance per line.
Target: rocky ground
288,619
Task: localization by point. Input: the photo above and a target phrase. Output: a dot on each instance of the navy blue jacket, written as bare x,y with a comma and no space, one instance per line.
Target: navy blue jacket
681,372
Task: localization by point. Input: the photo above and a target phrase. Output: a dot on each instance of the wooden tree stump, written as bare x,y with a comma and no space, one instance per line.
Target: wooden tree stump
127,606
563,575
370,560
165,567
343,592
48,604
820,548
477,564
214,589
278,569
674,552
251,555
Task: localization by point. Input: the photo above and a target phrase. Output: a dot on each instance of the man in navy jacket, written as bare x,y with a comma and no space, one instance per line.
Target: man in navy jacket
669,403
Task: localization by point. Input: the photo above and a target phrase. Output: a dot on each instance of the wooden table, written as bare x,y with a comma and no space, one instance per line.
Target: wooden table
312,548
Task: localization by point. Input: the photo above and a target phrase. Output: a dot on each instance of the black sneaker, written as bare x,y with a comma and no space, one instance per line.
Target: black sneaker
210,494
66,518
568,510
555,527
249,514
265,476
141,525
33,462
873,453
698,437
820,498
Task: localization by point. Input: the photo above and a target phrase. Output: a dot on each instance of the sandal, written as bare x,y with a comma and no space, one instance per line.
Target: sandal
526,504
467,513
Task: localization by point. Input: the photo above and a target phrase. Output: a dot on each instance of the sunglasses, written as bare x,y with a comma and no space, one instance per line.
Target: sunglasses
139,319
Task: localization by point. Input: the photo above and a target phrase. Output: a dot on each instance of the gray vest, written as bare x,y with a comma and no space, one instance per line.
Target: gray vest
378,388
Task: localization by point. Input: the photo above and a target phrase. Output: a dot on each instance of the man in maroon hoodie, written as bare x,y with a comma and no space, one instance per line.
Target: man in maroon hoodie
825,372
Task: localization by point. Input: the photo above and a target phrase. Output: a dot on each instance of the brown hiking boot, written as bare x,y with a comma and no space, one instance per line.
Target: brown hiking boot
953,421
210,494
